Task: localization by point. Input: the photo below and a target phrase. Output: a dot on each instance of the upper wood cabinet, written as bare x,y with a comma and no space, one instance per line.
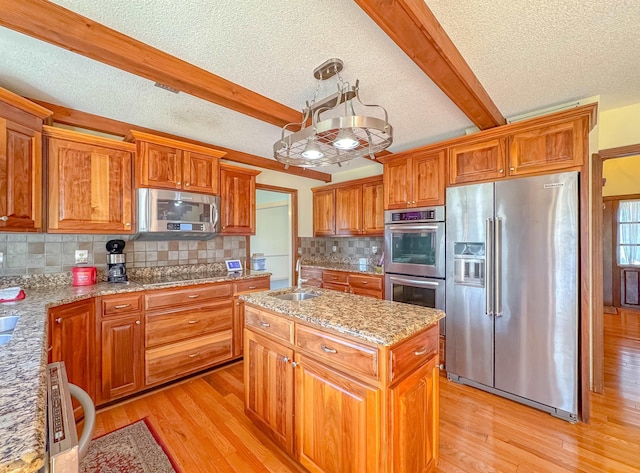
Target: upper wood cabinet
548,148
90,183
237,200
164,163
20,163
352,208
414,180
477,161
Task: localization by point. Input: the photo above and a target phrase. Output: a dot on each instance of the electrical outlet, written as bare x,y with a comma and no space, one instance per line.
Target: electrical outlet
374,250
1,259
82,256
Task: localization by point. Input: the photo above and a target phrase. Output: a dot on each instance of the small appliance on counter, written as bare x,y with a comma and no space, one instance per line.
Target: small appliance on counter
116,268
84,275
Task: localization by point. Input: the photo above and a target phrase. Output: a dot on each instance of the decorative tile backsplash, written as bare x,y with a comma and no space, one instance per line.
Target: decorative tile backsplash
347,250
40,253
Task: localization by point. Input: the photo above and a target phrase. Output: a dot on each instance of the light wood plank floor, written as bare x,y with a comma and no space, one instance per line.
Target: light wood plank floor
202,423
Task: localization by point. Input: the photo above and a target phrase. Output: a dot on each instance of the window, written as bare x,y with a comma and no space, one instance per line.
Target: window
629,233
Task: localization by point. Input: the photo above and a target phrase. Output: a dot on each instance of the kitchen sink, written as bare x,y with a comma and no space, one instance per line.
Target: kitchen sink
296,296
7,324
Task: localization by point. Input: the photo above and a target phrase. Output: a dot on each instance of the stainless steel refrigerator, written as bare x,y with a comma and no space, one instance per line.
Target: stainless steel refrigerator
512,289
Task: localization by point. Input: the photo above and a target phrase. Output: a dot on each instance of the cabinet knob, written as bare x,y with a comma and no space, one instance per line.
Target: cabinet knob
413,201
59,320
501,171
285,359
127,224
4,218
186,184
178,183
512,169
408,203
294,364
137,322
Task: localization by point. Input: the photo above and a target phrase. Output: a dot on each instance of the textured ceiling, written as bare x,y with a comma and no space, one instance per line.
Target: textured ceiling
528,54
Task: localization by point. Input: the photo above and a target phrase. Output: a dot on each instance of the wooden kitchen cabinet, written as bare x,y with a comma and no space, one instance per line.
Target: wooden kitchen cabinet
268,388
373,208
72,340
20,163
238,200
414,180
483,161
365,285
165,163
548,148
244,287
90,183
324,212
349,210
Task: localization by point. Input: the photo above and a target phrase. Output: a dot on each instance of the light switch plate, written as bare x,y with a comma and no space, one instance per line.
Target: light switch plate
82,256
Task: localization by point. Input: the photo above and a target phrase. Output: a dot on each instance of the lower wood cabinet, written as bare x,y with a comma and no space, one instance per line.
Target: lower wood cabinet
355,283
72,340
358,407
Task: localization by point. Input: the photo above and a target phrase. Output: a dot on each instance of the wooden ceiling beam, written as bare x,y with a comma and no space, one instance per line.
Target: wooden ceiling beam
54,24
416,30
88,121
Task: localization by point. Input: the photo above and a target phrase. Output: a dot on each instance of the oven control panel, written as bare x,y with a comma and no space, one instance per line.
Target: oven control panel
424,214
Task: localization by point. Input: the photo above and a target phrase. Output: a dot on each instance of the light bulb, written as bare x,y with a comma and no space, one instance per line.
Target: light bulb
312,150
346,139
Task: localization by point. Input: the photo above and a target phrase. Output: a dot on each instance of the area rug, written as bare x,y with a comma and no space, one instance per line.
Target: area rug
134,448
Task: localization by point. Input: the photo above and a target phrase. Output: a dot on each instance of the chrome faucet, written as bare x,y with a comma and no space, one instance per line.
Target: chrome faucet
298,269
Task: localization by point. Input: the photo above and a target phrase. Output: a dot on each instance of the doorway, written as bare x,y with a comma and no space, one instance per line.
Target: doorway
276,232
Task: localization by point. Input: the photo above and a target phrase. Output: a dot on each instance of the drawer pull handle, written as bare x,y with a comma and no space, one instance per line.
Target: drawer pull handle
191,322
193,296
59,320
193,355
326,349
252,287
121,306
420,352
265,324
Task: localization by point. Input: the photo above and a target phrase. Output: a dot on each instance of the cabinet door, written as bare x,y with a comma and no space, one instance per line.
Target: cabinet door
414,421
373,209
428,179
324,213
477,162
90,188
158,166
72,340
268,387
122,357
200,172
349,210
20,177
238,202
548,148
397,184
337,420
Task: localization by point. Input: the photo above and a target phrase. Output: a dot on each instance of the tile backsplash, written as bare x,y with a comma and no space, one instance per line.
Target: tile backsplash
347,250
44,253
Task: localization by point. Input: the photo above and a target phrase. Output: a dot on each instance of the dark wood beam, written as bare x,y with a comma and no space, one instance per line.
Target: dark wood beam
56,25
416,30
88,121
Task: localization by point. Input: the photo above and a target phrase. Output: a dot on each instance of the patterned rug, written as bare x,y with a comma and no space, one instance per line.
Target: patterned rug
134,448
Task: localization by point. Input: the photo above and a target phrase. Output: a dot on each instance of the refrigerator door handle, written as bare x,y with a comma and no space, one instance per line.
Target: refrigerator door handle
498,267
489,279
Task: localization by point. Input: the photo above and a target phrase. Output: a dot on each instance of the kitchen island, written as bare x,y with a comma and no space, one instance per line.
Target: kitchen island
344,383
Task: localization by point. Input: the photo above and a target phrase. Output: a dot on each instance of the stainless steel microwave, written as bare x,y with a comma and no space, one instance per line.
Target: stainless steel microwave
175,215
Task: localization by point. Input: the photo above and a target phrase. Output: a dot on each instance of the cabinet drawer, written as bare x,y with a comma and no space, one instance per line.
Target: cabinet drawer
192,294
407,356
176,325
121,304
171,361
254,284
365,282
335,277
269,324
335,350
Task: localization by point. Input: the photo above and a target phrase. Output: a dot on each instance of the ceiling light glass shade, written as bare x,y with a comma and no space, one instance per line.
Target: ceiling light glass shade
351,134
312,150
346,139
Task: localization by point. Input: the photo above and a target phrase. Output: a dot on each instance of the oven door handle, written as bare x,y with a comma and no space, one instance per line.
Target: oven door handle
89,418
414,282
405,228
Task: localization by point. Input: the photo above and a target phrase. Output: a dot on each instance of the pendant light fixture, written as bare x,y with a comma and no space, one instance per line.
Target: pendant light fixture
344,135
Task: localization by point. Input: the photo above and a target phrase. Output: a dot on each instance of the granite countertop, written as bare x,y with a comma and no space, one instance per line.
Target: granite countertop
347,267
378,321
23,360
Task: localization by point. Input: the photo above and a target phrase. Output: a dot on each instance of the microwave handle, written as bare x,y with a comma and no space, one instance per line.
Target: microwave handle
215,217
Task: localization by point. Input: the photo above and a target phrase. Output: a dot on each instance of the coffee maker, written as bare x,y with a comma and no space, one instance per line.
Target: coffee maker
116,269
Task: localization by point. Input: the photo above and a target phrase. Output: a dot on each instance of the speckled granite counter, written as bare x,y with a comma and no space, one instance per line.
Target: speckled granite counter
346,267
375,320
23,360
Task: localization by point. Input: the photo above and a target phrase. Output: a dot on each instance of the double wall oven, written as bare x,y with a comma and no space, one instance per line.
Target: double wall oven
414,257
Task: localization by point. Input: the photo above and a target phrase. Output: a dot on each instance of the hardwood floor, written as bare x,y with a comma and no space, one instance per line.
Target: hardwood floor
201,421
